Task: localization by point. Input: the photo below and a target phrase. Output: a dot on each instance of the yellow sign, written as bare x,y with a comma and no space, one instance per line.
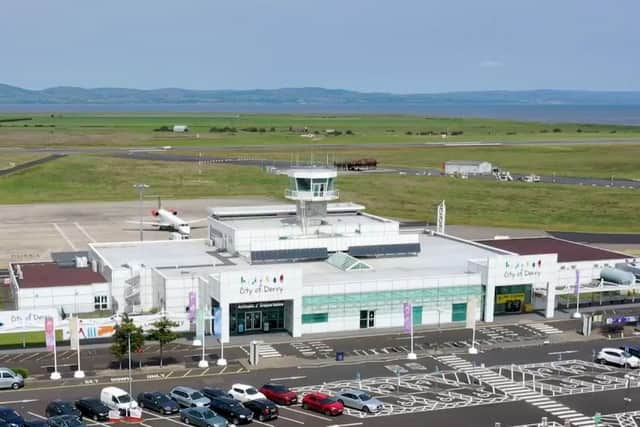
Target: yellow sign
504,298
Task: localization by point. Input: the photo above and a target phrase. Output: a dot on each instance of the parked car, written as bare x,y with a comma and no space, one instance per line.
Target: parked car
11,416
279,393
202,417
188,397
10,379
617,356
212,392
93,408
3,423
34,423
634,351
117,399
61,407
321,402
359,399
65,421
158,402
244,392
263,409
231,410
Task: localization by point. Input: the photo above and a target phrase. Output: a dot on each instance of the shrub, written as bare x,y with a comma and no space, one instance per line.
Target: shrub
348,132
272,129
22,371
579,130
408,132
457,132
557,130
163,129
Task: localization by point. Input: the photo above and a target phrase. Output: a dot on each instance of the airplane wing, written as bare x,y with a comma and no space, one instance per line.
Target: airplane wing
152,224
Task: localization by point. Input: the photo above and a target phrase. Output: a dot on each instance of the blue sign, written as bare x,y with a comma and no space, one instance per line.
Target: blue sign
217,322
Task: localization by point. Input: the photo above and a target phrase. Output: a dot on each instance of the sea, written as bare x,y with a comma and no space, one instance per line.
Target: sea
603,114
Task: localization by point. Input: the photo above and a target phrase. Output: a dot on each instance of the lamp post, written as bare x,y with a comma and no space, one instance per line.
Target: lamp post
141,187
130,379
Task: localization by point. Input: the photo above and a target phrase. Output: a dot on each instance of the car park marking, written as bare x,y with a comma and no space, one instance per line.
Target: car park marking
64,236
307,413
288,378
37,415
164,418
261,422
83,231
205,371
290,419
187,373
345,425
9,402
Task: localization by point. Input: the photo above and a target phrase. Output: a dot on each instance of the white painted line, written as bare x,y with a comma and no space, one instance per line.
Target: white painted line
187,373
19,401
263,423
307,413
204,372
64,236
164,418
289,378
169,374
345,425
562,352
36,415
83,231
290,419
222,370
238,371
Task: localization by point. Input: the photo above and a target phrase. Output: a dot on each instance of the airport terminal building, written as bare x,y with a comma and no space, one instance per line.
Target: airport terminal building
316,266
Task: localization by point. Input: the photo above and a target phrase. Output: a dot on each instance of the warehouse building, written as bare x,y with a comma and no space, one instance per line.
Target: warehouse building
467,167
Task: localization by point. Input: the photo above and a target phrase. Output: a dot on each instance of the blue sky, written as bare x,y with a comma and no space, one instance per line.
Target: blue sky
402,46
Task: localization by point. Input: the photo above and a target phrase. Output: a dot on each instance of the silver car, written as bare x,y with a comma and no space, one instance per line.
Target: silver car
9,379
359,399
188,397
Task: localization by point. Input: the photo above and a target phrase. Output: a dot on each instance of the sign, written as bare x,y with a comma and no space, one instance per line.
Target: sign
192,306
261,305
269,285
505,298
25,320
522,269
408,314
217,322
74,335
50,334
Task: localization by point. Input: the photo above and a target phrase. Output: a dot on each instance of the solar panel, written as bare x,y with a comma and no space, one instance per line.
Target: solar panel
289,255
382,250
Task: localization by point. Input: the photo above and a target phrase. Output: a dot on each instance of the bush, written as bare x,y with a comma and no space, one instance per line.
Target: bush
557,130
348,132
163,129
457,132
272,129
262,130
408,132
250,129
579,130
22,371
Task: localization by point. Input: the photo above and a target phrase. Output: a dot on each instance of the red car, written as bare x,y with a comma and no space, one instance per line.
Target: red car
279,393
322,403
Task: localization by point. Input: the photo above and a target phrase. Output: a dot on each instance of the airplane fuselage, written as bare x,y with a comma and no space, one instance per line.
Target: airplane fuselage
169,220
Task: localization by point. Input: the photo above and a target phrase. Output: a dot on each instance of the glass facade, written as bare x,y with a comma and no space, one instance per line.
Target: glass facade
256,317
513,299
341,305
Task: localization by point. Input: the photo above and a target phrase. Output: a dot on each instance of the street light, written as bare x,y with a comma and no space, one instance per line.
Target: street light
130,388
141,187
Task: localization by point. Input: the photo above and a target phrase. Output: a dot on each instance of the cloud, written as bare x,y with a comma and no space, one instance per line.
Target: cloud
491,63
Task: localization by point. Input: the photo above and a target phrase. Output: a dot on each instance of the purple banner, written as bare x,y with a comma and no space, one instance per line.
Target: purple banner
192,306
408,316
49,333
577,282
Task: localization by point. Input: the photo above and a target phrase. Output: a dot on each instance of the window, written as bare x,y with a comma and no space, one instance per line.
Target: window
315,318
367,319
100,302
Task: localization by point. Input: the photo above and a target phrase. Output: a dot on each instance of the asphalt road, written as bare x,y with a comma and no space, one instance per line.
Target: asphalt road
449,390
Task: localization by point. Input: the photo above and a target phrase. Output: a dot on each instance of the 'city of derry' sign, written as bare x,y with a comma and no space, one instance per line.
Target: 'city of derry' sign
521,269
262,285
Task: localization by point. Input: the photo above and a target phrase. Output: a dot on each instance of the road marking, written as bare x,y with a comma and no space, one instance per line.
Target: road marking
307,413
19,401
345,425
288,378
164,418
263,423
223,369
238,371
31,356
169,374
83,231
204,372
187,373
64,236
290,419
408,338
562,352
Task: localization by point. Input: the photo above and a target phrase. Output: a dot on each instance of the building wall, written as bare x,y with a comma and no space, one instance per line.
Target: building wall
72,299
467,169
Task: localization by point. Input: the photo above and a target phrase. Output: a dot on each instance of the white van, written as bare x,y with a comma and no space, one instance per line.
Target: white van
9,379
117,399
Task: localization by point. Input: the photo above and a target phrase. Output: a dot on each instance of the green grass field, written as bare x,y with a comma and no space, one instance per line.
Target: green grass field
9,160
137,129
80,178
587,160
31,337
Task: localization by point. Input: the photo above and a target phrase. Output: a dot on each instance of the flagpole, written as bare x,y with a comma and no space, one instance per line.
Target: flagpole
79,373
203,362
412,355
577,314
55,375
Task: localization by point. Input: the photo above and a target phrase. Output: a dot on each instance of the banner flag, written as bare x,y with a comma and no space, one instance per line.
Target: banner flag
217,322
50,333
192,306
74,337
408,316
472,309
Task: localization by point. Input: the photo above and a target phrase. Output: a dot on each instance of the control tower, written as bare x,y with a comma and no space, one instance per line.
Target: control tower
311,189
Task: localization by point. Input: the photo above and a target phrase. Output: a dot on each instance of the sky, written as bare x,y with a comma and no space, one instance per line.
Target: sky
400,46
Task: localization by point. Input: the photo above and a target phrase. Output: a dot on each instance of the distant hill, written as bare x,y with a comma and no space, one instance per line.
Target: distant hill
307,95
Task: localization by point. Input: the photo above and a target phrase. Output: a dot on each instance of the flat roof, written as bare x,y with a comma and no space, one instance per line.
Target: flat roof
291,221
48,274
567,251
284,209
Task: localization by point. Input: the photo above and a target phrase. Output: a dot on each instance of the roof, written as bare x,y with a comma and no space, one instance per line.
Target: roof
567,251
48,274
466,162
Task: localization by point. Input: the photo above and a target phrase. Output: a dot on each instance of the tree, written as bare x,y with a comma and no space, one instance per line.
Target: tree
162,333
123,330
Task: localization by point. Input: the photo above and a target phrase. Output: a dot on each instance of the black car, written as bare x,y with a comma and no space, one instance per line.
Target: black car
263,409
35,423
231,409
61,407
158,402
93,408
65,421
213,392
3,423
11,416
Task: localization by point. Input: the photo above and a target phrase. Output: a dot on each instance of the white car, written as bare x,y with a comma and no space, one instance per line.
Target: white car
244,393
617,356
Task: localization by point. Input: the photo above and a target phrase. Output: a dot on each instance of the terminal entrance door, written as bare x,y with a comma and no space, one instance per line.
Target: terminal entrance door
253,320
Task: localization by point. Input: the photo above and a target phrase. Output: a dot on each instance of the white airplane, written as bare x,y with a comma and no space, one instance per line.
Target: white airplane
168,220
